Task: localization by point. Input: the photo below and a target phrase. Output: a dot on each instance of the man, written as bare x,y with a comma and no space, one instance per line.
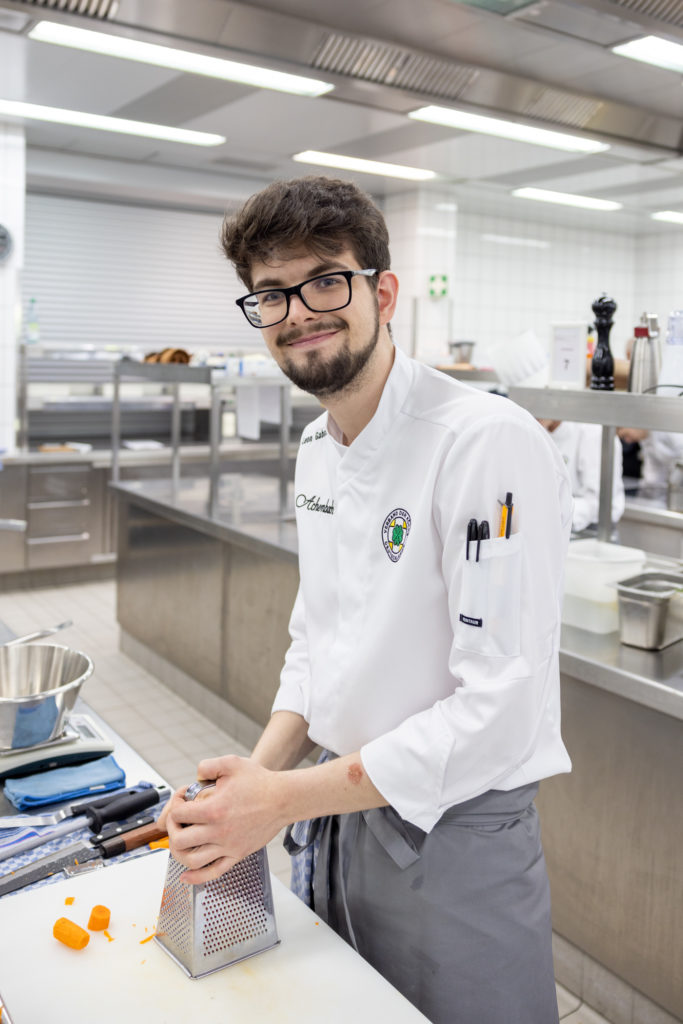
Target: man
424,661
580,447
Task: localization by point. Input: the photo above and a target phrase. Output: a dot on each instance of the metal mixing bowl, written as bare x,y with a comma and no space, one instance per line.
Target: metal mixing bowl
39,684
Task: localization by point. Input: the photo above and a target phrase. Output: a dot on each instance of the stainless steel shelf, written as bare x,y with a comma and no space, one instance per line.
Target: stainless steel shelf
608,408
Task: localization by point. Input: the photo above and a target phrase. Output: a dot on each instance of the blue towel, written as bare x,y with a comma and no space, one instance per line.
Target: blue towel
60,784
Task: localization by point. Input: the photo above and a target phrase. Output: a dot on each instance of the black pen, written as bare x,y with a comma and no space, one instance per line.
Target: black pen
471,536
483,534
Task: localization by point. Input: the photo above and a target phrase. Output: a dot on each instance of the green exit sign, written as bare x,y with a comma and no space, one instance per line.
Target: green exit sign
438,285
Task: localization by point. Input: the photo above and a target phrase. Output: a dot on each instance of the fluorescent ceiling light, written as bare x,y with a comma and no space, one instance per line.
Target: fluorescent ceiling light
507,129
565,199
352,163
179,60
672,215
529,243
653,50
81,119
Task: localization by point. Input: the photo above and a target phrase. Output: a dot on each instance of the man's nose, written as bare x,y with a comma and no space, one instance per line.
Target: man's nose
298,310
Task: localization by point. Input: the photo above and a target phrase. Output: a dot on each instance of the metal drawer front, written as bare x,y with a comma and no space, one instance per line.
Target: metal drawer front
58,519
58,483
45,553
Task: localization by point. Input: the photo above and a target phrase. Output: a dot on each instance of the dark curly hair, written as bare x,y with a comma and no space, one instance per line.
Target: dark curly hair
319,215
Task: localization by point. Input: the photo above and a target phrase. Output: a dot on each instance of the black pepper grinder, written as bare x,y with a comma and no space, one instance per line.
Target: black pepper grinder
602,364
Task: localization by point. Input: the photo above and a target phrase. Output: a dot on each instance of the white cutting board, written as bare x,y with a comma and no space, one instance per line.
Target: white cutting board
313,975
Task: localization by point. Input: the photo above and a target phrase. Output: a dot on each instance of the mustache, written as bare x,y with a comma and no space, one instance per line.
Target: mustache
286,337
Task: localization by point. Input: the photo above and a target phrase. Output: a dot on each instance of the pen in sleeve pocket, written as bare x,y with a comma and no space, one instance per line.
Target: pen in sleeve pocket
472,535
484,534
505,516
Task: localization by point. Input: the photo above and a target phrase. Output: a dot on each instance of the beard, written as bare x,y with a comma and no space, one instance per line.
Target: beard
323,376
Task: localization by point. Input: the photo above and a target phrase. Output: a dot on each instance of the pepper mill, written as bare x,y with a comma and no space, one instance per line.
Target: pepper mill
602,365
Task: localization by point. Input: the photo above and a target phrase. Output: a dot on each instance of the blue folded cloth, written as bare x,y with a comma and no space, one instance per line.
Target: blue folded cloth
59,784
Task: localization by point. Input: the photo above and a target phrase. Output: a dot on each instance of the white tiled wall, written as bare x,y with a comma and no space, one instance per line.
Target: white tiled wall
506,275
659,281
12,162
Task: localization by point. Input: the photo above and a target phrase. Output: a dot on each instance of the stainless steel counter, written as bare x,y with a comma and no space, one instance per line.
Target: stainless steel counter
101,458
249,518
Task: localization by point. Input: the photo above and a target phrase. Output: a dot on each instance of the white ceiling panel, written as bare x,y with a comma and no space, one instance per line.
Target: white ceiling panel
279,124
612,179
626,80
563,62
61,77
496,42
480,156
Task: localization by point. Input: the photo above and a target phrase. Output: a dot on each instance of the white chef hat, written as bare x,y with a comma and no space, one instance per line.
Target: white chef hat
521,360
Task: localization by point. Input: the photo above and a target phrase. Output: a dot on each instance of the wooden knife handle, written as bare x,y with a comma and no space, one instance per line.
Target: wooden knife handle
132,840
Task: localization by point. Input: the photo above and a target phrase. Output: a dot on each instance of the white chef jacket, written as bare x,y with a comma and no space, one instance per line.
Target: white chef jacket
580,445
442,670
660,450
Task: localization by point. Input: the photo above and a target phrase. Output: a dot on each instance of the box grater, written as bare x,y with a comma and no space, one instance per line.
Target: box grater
213,925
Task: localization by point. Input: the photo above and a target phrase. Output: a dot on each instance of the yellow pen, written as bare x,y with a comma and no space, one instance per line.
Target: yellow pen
505,516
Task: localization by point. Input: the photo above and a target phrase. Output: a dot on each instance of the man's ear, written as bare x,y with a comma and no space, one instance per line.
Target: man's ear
387,295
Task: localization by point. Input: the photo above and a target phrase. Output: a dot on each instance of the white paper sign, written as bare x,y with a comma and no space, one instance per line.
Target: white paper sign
568,355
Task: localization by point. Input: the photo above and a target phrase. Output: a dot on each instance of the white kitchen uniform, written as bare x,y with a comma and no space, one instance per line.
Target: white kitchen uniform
661,451
580,445
443,671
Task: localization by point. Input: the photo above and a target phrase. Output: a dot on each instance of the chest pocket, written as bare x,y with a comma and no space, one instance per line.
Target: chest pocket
489,614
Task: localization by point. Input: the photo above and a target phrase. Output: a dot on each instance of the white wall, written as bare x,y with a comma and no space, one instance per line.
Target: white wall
659,280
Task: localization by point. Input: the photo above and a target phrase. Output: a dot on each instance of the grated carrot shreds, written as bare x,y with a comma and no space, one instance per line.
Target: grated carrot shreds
159,844
148,938
69,900
110,938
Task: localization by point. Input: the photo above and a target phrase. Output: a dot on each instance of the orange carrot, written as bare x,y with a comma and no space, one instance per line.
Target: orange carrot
110,938
159,844
69,900
148,938
99,918
70,933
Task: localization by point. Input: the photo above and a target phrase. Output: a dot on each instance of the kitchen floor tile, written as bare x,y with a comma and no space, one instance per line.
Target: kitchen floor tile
567,1002
584,1015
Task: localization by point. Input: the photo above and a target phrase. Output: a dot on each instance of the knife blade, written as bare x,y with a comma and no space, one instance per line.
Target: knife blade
93,816
76,854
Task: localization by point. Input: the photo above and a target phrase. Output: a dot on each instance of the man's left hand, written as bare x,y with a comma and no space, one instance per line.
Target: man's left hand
222,825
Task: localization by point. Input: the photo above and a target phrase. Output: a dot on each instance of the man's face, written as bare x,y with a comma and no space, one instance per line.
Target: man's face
321,353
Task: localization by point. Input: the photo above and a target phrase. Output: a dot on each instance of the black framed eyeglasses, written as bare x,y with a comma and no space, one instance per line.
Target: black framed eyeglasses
321,294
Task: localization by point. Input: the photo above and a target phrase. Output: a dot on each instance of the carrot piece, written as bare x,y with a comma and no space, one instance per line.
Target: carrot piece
70,933
148,938
159,844
69,900
110,938
99,918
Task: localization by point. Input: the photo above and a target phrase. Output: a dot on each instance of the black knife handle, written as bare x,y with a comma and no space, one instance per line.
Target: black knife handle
125,806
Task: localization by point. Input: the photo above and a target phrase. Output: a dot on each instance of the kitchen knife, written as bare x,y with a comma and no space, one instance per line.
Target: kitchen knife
75,854
91,815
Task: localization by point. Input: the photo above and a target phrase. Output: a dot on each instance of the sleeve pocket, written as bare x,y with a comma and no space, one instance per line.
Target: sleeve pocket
488,611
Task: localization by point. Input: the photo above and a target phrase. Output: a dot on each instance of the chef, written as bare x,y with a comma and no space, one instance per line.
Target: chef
424,650
580,447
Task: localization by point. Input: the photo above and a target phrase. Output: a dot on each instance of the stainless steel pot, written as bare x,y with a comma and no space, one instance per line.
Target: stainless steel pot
461,351
39,684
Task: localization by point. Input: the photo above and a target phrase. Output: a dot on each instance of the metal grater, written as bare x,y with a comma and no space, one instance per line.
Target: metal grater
213,925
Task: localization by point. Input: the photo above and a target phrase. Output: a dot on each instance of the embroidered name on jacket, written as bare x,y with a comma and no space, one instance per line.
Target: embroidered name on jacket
314,504
395,530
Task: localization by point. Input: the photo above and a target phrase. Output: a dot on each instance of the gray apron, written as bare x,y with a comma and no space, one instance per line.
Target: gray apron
457,919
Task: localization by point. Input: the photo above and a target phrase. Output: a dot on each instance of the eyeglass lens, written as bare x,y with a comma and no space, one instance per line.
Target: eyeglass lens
321,295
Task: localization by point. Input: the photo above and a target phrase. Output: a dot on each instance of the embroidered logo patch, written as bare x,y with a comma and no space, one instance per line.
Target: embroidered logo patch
395,532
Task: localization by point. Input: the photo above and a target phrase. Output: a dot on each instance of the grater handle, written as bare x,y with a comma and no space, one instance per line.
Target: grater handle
196,788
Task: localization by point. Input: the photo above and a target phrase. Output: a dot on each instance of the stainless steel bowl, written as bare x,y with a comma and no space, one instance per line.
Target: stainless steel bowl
461,351
39,684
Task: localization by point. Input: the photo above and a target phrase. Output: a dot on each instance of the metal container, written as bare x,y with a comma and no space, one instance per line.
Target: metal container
674,490
39,684
461,351
651,610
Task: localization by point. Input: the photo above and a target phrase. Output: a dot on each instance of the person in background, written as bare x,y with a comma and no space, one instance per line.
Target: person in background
580,447
424,653
660,451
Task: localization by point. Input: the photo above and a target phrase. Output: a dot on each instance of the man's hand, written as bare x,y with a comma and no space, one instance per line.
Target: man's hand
224,824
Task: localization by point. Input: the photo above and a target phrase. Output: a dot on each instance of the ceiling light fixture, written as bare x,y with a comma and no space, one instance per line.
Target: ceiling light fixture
352,163
653,50
544,195
81,119
671,215
507,129
179,60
